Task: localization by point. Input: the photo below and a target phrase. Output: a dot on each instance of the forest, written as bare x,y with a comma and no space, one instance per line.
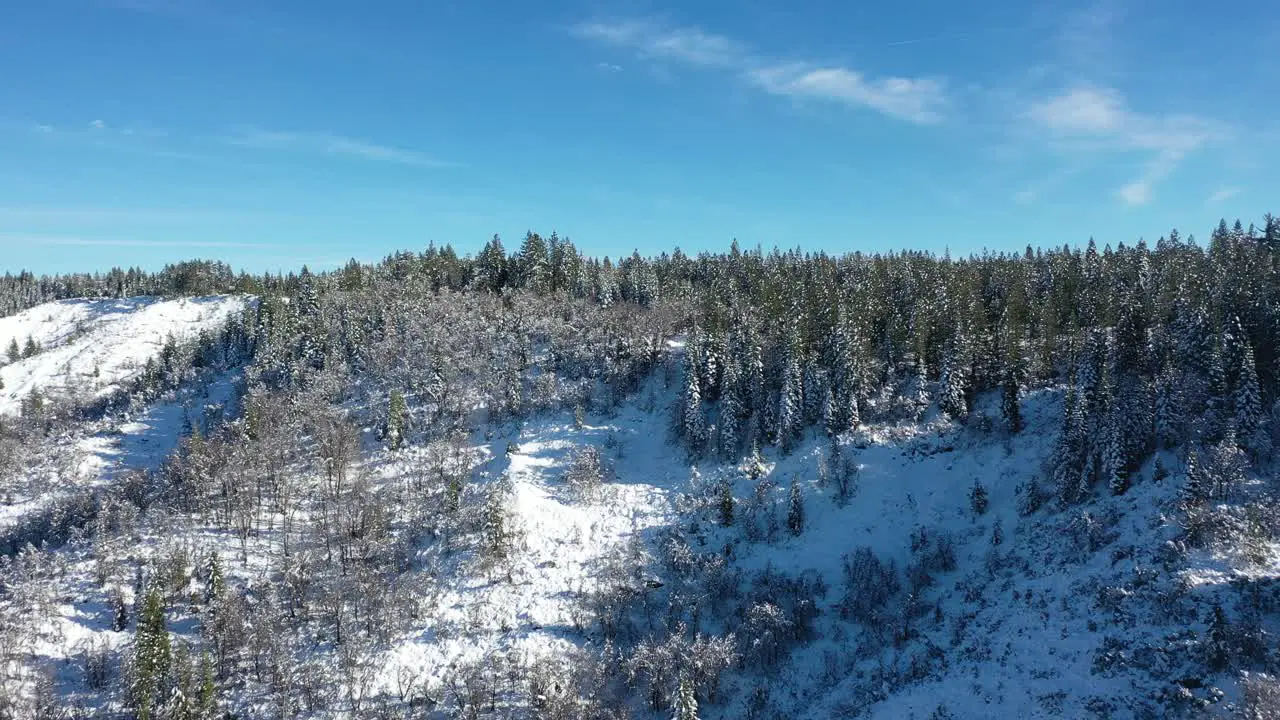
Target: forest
748,484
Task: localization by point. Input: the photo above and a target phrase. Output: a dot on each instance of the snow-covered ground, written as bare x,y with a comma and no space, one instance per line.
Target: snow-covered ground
89,349
562,540
93,347
1055,613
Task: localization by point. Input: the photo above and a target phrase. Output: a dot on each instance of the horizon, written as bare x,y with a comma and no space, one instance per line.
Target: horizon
269,136
512,248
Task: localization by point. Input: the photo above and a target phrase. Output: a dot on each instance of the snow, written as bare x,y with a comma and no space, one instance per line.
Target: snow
563,540
92,348
1014,630
115,338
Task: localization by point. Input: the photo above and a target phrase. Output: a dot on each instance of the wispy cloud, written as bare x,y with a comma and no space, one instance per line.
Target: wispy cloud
688,45
1099,118
330,144
68,215
73,241
917,100
1222,195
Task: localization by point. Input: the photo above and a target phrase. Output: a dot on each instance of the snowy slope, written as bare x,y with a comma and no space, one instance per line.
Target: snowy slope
563,539
1071,613
93,347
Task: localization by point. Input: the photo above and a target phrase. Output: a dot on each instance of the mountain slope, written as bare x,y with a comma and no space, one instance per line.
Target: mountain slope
91,348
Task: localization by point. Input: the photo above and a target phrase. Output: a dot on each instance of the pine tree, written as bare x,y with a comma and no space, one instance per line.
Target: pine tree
14,352
1215,421
790,401
953,393
1169,417
152,657
693,417
1010,406
1218,641
795,509
754,466
1248,402
207,699
31,348
533,263
397,411
215,585
1114,463
726,503
1199,486
978,498
686,701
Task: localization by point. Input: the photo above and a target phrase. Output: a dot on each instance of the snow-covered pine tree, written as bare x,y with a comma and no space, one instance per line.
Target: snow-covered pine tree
1216,419
1248,403
693,416
397,413
686,701
1198,484
725,503
1010,390
1169,409
795,509
1114,463
953,391
978,500
152,657
1217,648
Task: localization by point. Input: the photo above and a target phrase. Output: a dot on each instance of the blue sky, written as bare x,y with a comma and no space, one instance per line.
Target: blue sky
272,133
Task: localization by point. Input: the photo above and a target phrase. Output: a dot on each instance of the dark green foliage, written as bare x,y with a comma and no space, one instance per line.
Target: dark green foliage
795,509
725,504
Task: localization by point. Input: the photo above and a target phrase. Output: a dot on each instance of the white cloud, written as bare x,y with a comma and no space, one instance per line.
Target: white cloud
689,45
98,125
917,100
1136,193
1102,118
1082,109
330,144
1223,194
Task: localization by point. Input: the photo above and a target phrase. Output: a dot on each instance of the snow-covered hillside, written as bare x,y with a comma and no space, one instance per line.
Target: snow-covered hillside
90,348
914,569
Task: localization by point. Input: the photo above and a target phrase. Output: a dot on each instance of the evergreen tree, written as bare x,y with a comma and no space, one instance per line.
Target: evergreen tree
31,348
14,352
1218,641
726,503
1114,463
397,411
686,702
978,498
1248,402
207,699
790,400
795,509
491,266
1010,406
693,419
1198,486
152,657
953,393
533,264
215,585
